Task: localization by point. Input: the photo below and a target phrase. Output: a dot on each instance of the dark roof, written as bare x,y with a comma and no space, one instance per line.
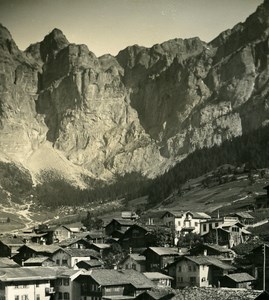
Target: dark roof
42,248
107,277
158,294
218,248
263,296
207,260
162,251
195,214
81,252
91,263
71,241
240,277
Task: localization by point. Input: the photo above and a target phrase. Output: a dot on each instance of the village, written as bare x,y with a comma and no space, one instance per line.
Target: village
157,255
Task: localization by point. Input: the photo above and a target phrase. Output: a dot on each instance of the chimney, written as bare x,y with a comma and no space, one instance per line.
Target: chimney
205,252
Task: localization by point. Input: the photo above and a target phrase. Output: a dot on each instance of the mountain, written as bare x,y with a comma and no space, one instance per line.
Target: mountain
64,109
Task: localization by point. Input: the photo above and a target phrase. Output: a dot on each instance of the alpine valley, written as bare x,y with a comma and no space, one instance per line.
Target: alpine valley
93,119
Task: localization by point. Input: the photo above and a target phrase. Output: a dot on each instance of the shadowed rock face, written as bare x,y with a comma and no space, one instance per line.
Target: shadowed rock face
142,110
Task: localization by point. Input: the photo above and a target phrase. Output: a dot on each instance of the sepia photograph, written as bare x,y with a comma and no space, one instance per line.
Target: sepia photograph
134,150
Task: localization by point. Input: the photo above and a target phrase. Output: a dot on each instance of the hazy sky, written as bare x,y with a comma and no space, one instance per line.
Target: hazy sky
107,26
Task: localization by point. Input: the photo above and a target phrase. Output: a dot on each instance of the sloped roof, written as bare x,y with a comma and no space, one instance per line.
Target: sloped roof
218,248
123,222
6,262
164,250
107,277
137,257
244,215
37,259
71,241
11,241
42,248
91,263
160,293
156,275
81,252
101,245
240,277
210,260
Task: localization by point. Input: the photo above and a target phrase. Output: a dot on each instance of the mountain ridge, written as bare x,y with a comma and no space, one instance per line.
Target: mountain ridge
142,110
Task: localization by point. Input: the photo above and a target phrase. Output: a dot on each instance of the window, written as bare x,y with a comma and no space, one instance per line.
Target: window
134,266
204,227
37,285
16,287
126,266
178,223
194,268
37,297
216,224
179,269
17,297
24,297
66,296
196,224
203,279
25,286
64,262
60,296
192,280
66,281
57,261
189,268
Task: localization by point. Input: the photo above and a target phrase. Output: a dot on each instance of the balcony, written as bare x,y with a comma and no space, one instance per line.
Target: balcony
49,291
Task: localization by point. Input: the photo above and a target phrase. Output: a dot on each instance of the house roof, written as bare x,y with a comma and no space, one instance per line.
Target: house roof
195,214
42,248
27,274
164,250
91,263
137,257
123,222
230,223
218,248
240,277
101,245
244,215
11,241
209,260
37,259
71,241
80,252
156,275
5,262
107,277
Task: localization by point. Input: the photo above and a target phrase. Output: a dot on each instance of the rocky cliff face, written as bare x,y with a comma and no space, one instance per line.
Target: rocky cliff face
143,110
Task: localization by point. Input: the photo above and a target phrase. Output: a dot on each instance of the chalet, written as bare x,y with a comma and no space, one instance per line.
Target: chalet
131,215
101,248
237,280
158,258
113,284
156,294
229,232
27,283
183,222
134,261
89,264
69,257
61,233
33,250
160,279
200,271
136,236
93,236
78,243
39,261
9,246
118,224
75,228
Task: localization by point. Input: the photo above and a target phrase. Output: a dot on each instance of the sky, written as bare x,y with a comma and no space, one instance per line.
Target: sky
108,26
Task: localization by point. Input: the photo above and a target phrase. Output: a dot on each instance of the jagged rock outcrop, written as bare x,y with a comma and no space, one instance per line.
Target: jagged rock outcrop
143,110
